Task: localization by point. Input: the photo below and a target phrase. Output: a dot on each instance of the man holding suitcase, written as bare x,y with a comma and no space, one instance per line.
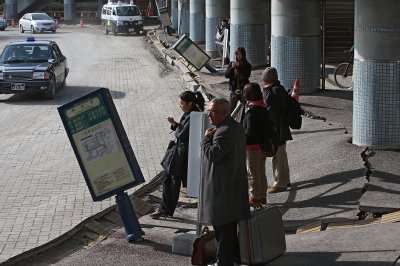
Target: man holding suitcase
225,190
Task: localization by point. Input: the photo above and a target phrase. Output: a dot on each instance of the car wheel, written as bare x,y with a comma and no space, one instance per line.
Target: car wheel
21,29
32,30
115,31
54,31
52,91
106,30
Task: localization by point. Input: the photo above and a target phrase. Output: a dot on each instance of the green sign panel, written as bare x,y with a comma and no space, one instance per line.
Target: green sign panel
100,144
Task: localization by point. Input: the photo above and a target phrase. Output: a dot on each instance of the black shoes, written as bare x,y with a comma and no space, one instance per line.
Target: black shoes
158,214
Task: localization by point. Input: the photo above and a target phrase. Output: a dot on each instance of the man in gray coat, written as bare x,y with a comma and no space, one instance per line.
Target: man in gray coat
225,199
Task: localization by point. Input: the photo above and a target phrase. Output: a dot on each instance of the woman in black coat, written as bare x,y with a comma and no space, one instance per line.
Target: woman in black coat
238,73
188,101
258,134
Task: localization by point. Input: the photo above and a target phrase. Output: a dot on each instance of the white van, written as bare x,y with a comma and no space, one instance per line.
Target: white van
121,17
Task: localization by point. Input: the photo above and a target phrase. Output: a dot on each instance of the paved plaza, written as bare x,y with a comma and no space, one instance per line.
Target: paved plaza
43,193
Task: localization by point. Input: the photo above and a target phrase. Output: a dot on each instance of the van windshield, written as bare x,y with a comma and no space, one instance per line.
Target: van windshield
128,11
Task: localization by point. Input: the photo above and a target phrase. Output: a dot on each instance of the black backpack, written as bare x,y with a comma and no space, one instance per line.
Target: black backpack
294,113
269,142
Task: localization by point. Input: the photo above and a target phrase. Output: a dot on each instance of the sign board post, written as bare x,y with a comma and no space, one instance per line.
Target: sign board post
104,153
191,52
165,19
198,124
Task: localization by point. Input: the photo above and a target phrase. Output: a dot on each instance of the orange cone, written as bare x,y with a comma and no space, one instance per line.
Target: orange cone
296,88
12,23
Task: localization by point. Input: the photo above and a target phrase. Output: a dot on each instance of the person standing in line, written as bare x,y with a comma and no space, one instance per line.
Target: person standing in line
276,100
219,37
238,72
225,200
188,101
255,125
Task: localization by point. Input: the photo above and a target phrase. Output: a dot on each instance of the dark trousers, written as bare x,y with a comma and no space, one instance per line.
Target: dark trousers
170,194
228,244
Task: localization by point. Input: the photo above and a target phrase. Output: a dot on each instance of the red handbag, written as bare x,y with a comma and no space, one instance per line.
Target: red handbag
205,248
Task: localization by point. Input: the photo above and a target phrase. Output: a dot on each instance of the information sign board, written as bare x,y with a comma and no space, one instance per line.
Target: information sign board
191,52
100,144
164,17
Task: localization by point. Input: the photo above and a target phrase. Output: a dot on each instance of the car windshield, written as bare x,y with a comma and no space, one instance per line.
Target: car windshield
25,53
128,11
40,17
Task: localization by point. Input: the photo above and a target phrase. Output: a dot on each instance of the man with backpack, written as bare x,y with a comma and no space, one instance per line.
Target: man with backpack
275,97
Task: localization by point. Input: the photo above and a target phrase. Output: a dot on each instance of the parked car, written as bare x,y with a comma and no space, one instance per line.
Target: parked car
35,22
3,24
32,67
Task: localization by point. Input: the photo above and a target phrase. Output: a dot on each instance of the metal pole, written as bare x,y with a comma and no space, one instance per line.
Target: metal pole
323,44
132,227
199,224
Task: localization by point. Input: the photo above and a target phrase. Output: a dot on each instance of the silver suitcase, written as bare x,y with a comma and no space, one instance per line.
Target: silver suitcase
261,238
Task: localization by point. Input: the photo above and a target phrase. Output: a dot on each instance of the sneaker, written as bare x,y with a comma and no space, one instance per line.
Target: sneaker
159,214
274,189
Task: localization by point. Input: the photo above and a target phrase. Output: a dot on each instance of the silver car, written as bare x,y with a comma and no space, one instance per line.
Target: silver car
35,22
3,24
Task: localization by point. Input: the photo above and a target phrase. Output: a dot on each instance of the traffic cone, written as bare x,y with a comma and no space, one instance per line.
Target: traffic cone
296,88
12,23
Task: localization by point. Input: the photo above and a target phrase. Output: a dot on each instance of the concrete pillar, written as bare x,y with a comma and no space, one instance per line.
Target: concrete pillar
184,17
296,43
216,10
99,7
197,21
174,13
11,10
69,9
376,74
249,29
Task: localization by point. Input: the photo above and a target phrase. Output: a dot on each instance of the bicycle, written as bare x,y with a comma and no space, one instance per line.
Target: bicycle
344,72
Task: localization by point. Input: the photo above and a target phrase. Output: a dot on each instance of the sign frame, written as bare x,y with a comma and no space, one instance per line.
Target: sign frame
164,16
188,50
119,149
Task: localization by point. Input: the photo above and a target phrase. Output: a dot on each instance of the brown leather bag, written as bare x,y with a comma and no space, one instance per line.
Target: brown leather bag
205,248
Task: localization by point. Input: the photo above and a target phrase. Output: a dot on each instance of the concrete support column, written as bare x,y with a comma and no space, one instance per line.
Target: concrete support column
296,43
376,74
249,29
184,17
174,13
11,10
69,9
197,21
216,10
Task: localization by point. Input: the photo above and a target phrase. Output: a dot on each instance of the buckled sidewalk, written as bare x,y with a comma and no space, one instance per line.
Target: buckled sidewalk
328,176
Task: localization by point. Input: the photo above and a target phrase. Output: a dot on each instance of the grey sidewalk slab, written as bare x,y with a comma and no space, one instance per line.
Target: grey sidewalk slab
374,245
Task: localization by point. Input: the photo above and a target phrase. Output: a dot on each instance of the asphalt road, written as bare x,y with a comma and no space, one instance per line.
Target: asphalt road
43,193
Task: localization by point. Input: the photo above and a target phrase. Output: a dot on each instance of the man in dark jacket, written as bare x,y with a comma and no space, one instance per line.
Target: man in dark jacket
276,100
224,200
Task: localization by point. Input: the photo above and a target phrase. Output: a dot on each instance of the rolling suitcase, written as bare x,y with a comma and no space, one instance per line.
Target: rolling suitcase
261,238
